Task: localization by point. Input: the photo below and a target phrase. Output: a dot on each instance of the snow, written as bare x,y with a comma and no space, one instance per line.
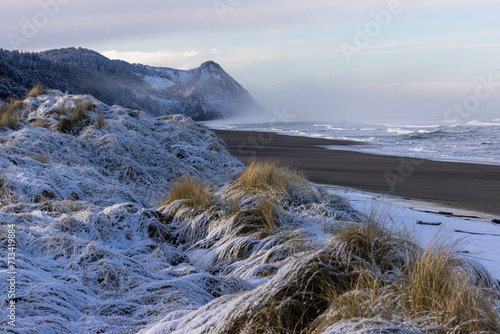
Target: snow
96,253
176,75
479,237
81,206
158,83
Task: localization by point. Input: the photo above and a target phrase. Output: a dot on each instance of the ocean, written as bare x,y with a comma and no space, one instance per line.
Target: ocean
474,141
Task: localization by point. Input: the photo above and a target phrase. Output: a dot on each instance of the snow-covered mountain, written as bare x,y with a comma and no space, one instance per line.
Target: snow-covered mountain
206,92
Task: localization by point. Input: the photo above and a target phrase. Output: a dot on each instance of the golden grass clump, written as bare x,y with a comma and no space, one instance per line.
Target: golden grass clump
435,285
10,114
267,175
442,283
195,193
36,91
85,106
76,120
41,123
286,185
78,114
296,296
260,217
374,244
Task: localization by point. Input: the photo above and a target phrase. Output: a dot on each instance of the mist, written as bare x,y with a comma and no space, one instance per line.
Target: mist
323,101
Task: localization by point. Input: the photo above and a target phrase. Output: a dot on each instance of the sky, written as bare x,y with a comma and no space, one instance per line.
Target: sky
320,60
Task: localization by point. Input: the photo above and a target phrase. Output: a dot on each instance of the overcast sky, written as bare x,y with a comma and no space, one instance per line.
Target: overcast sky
330,60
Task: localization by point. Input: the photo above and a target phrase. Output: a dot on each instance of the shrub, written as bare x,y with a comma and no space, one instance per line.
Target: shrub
36,91
195,193
9,114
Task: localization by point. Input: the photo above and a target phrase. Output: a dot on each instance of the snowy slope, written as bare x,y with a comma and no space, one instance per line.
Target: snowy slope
81,208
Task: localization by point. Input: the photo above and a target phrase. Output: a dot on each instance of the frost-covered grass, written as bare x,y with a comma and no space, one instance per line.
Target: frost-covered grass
132,223
91,255
9,114
193,192
281,183
365,278
36,91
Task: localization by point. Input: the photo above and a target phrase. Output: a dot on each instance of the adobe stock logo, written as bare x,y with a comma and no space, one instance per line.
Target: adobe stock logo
364,36
32,26
471,103
223,6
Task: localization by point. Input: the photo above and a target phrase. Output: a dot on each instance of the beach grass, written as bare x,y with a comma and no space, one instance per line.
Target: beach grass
193,192
36,91
10,114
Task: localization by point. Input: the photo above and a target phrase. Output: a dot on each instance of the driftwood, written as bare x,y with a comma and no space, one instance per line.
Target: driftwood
478,233
449,214
419,222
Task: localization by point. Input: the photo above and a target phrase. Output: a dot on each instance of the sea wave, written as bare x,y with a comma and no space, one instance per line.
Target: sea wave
483,123
399,131
476,141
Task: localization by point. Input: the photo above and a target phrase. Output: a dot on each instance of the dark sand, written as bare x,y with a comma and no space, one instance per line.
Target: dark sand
464,186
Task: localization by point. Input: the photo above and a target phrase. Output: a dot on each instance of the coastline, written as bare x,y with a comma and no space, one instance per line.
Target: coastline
459,185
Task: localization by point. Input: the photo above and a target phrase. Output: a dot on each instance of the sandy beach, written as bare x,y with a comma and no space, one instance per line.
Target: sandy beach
468,186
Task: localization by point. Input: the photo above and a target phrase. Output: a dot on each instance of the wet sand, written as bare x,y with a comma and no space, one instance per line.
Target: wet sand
465,186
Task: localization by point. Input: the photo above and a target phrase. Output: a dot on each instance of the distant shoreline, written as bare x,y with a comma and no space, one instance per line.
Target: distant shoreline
461,185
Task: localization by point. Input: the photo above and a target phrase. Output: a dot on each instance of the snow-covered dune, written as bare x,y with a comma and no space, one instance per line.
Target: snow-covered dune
80,203
120,222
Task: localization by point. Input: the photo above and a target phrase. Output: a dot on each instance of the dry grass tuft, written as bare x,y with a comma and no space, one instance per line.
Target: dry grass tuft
41,123
441,282
41,158
10,114
85,106
435,285
6,196
285,184
195,193
263,176
100,122
375,245
36,91
261,217
76,120
297,295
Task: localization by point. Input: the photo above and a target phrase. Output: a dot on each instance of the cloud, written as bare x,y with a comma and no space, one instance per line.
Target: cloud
78,22
373,51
